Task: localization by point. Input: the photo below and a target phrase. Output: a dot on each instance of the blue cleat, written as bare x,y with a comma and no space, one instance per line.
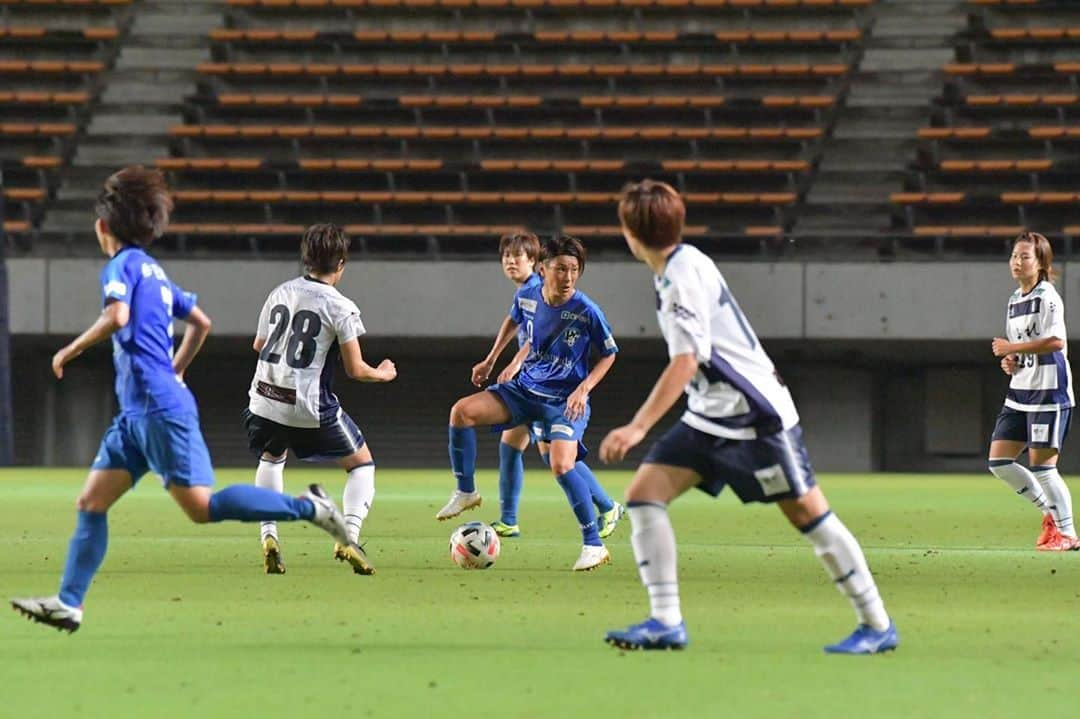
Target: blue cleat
650,634
867,640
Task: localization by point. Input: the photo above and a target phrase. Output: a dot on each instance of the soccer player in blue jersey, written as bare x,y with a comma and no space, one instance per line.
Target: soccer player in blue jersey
519,252
158,425
740,429
563,327
1038,406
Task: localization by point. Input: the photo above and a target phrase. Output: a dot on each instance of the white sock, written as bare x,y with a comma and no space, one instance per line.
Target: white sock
359,494
653,540
270,475
844,562
1022,481
1058,499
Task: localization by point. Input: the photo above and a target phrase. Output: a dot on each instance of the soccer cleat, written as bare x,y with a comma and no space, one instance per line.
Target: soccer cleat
327,516
1049,531
610,519
459,502
650,634
591,558
867,640
355,555
1060,543
506,530
272,561
51,611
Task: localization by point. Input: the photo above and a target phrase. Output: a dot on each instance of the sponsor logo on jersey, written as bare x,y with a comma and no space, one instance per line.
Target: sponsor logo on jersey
562,429
609,343
527,305
683,313
115,287
571,336
566,315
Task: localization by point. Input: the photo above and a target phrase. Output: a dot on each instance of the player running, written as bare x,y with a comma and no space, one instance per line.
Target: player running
519,252
158,425
1039,401
304,325
740,429
563,326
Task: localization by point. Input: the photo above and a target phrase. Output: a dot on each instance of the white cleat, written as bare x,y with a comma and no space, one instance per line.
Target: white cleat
459,502
327,516
591,558
51,611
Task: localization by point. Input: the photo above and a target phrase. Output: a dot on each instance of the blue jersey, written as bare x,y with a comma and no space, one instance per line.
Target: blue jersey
523,332
561,338
142,349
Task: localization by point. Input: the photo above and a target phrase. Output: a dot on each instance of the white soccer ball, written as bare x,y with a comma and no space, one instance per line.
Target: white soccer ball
474,545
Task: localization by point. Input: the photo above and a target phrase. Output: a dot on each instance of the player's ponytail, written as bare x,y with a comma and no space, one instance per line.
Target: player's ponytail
135,204
1044,253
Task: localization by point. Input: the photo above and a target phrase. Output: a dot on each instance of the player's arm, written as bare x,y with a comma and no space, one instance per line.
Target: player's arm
482,370
115,315
1041,346
197,329
670,385
510,371
359,370
579,398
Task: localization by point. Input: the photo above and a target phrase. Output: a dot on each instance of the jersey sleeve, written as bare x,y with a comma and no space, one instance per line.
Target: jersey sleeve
117,284
263,330
600,333
1053,317
183,301
686,307
347,323
516,316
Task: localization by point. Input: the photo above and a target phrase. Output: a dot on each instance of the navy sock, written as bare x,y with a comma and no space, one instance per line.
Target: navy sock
599,497
577,492
85,554
248,503
511,477
463,457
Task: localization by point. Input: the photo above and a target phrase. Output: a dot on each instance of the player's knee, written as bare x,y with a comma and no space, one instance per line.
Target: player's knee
90,503
461,416
560,467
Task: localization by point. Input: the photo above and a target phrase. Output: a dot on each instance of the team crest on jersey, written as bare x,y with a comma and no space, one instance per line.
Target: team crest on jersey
571,336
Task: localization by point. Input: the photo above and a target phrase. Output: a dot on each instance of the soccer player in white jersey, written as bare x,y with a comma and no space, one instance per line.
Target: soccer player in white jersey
740,429
304,325
1038,404
519,253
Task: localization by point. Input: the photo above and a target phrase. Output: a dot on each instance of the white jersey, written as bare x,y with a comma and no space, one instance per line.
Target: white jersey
736,392
303,323
1041,383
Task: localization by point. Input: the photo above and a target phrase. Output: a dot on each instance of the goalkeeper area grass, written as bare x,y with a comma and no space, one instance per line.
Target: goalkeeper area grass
181,621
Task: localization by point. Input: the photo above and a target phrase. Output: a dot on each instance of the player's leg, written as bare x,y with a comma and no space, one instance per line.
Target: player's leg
846,565
1008,440
357,498
652,537
512,445
1043,456
564,467
117,465
270,474
477,410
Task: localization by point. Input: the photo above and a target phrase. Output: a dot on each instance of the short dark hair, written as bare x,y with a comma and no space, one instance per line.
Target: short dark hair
564,245
324,247
515,242
653,212
135,204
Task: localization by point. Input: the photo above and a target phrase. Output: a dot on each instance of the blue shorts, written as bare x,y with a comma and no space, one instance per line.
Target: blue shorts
1035,429
334,441
546,417
766,469
170,445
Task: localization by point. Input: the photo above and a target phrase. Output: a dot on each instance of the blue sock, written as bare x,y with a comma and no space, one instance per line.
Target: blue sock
599,497
577,491
511,477
463,457
85,554
248,503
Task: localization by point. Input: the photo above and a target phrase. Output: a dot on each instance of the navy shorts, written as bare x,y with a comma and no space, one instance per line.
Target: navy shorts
333,441
170,445
1036,429
546,417
766,469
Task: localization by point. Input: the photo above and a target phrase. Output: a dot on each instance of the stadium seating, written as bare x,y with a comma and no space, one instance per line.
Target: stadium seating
1002,142
422,119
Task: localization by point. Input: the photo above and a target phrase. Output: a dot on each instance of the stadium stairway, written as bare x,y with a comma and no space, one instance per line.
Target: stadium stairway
144,91
890,97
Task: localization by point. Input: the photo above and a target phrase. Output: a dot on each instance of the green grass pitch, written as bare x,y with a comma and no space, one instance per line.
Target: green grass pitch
181,621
